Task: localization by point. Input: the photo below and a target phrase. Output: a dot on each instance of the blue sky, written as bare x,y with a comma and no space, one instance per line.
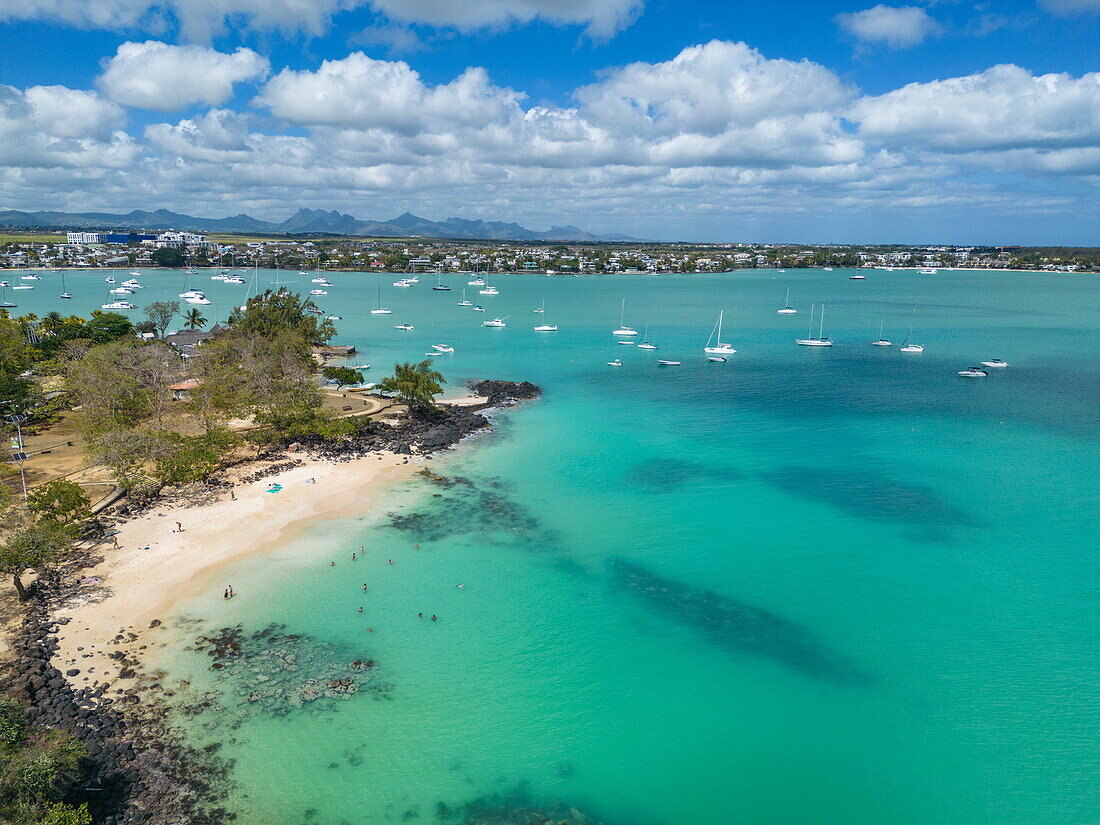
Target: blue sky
948,121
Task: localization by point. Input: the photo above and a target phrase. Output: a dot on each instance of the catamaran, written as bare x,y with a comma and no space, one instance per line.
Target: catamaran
820,340
378,308
787,309
623,329
881,342
718,347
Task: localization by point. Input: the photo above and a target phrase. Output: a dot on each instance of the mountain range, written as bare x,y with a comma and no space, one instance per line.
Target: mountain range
302,222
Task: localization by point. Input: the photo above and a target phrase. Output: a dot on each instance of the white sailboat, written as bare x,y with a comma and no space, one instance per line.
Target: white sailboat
378,308
820,340
787,309
623,329
541,308
646,343
881,342
4,302
907,347
464,302
718,347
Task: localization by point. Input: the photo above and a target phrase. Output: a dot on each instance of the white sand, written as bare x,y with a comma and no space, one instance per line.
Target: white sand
156,567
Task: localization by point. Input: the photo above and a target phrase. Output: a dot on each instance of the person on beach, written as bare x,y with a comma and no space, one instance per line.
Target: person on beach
232,496
179,527
225,594
115,540
231,593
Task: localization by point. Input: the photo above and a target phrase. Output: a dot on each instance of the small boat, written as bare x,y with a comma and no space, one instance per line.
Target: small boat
995,363
406,327
541,308
22,286
132,282
662,363
615,363
4,284
318,280
623,329
717,359
378,308
317,292
121,290
857,277
489,290
907,347
361,367
234,279
29,278
109,279
476,282
119,305
404,284
820,340
496,322
787,309
928,270
625,343
828,268
65,295
973,372
464,302
135,273
881,342
301,272
718,348
479,308
432,354
546,328
443,348
334,318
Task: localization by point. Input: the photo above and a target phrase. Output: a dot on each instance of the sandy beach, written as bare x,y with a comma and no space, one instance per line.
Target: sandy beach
156,566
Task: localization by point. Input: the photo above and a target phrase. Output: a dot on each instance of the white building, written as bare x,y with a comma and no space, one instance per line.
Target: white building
181,240
82,238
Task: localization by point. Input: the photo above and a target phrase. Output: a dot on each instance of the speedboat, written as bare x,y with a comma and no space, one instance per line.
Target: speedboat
318,280
615,363
881,342
119,305
29,278
995,363
546,328
334,317
443,348
135,273
663,363
406,327
317,292
479,308
234,279
973,372
402,283
717,359
496,322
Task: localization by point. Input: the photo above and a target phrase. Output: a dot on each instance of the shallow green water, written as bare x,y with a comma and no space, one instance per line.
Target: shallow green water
804,586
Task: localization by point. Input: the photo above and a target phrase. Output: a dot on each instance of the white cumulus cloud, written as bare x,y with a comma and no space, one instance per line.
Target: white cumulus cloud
164,78
897,27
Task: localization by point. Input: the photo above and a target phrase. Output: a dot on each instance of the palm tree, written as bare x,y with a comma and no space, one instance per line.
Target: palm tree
193,319
415,385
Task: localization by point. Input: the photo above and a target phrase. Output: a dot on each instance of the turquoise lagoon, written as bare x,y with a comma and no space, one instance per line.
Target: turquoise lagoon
802,587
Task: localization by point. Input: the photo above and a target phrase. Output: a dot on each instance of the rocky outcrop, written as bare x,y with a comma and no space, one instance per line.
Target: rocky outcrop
505,392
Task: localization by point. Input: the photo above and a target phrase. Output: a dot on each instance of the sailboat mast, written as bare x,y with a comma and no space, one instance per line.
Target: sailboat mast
821,323
810,331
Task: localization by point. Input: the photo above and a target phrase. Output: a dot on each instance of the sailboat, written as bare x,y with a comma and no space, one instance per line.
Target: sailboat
4,302
541,308
440,286
464,302
64,292
787,309
881,342
820,340
718,348
378,308
646,343
907,347
623,330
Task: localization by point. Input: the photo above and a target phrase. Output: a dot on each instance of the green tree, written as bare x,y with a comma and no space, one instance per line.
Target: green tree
273,311
161,313
342,376
60,501
414,384
167,256
104,327
31,546
194,319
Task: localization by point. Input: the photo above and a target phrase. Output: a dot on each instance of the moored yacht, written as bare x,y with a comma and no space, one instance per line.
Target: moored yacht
907,347
820,340
973,372
718,348
546,328
995,363
623,329
465,302
496,322
881,342
378,308
787,309
405,327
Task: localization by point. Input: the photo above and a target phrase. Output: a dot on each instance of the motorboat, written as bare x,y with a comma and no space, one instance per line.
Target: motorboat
928,270
479,308
820,340
191,293
317,292
881,342
662,363
973,372
717,359
718,348
443,348
546,328
541,308
199,300
121,290
406,327
857,277
22,286
30,277
496,322
615,363
132,282
489,290
334,317
403,283
119,305
623,329
109,279
995,363
476,282
827,268
234,279
787,309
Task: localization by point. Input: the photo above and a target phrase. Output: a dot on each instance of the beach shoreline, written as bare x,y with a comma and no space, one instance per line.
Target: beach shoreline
156,567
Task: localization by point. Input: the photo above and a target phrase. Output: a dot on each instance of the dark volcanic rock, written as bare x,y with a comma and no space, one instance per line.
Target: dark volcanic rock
505,392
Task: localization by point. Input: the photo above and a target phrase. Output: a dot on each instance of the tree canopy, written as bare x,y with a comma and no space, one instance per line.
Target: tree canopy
167,256
414,384
274,312
342,376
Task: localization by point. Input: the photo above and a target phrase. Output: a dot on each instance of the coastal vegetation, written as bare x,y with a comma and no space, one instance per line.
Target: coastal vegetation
414,385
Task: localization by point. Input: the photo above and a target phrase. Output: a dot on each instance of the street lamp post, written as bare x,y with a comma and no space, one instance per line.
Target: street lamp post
19,456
